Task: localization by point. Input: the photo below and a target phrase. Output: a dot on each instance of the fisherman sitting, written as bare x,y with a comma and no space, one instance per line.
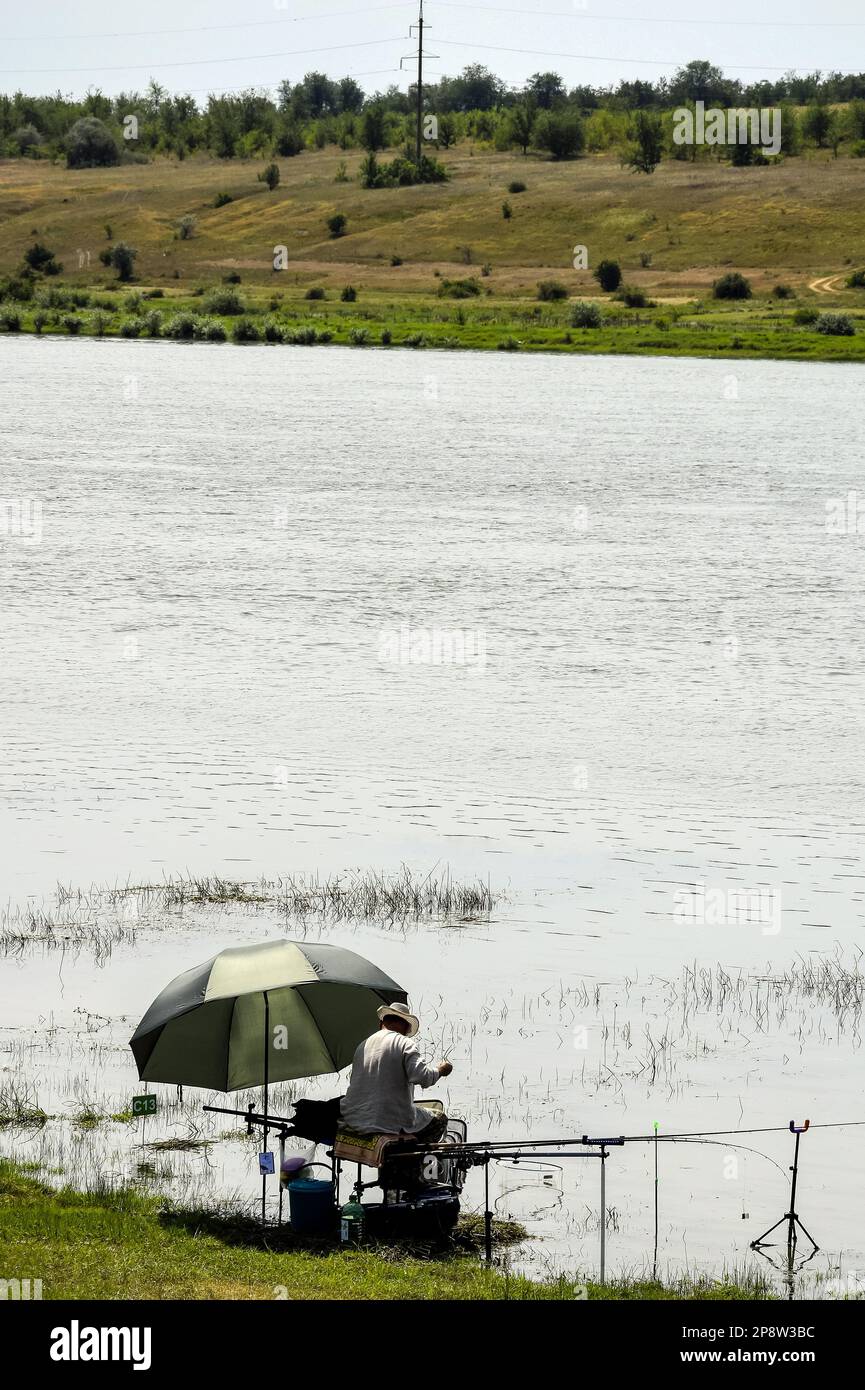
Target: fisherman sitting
385,1070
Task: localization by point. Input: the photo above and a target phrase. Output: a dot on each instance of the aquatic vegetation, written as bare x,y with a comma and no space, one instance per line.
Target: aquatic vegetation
19,1108
100,917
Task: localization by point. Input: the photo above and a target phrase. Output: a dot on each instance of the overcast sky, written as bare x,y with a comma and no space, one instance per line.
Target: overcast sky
221,45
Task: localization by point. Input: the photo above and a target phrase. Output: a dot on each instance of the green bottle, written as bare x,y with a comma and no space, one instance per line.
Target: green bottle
351,1223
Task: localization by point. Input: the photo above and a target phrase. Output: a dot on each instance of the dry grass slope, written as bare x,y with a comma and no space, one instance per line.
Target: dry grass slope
794,221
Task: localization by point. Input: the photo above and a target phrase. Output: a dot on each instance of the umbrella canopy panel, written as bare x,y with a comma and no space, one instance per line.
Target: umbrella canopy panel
284,1009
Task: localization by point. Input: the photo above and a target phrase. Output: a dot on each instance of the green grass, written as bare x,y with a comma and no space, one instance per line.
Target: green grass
122,1245
755,328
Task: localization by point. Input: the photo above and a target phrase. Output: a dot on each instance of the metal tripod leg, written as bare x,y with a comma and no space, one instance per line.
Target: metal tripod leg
790,1216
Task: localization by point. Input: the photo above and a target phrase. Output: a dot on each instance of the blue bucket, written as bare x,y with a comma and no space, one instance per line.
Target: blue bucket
310,1202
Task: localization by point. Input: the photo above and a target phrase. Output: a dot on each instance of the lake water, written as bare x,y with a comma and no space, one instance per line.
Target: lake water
223,573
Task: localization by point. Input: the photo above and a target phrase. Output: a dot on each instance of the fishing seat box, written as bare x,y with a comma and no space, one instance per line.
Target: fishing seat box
371,1149
368,1149
432,1216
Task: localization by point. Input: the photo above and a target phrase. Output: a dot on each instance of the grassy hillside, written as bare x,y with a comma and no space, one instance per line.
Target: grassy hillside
674,232
797,220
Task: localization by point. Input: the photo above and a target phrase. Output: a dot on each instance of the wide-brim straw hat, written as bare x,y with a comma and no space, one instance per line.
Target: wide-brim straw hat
399,1011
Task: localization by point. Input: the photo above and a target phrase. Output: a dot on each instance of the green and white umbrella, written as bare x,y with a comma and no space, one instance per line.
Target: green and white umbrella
259,1014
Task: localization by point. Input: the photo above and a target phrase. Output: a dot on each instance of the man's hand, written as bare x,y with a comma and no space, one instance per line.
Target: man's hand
445,1068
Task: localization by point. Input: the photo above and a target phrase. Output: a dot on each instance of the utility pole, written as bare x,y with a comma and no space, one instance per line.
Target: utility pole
419,80
409,58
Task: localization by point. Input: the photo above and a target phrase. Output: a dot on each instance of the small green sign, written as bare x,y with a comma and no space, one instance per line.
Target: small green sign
144,1105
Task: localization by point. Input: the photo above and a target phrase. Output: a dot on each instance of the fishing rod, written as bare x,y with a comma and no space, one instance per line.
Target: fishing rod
252,1117
647,1138
256,1117
480,1153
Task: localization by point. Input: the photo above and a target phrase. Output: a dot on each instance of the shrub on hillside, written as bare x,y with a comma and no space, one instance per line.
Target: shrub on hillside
835,325
226,301
26,139
585,315
349,294
516,186
459,289
40,259
306,337
646,141
632,298
560,133
289,140
244,331
548,290
401,172
732,286
122,258
91,145
608,275
20,288
315,293
181,327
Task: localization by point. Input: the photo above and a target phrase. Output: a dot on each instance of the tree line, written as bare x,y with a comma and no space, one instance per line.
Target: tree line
319,111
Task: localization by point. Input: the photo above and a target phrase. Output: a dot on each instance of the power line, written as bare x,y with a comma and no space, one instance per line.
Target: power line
202,28
272,86
603,58
652,19
202,62
447,5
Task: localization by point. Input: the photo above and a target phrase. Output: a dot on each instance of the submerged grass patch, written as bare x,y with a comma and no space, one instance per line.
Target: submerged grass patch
19,1109
100,918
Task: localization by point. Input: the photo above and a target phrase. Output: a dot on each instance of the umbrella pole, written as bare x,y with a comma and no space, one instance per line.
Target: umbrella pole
281,1161
266,1080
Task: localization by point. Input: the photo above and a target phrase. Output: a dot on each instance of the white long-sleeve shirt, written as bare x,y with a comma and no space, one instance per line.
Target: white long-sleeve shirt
380,1097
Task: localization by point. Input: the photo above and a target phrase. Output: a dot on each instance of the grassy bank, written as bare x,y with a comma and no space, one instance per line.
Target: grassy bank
756,329
121,1245
797,224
